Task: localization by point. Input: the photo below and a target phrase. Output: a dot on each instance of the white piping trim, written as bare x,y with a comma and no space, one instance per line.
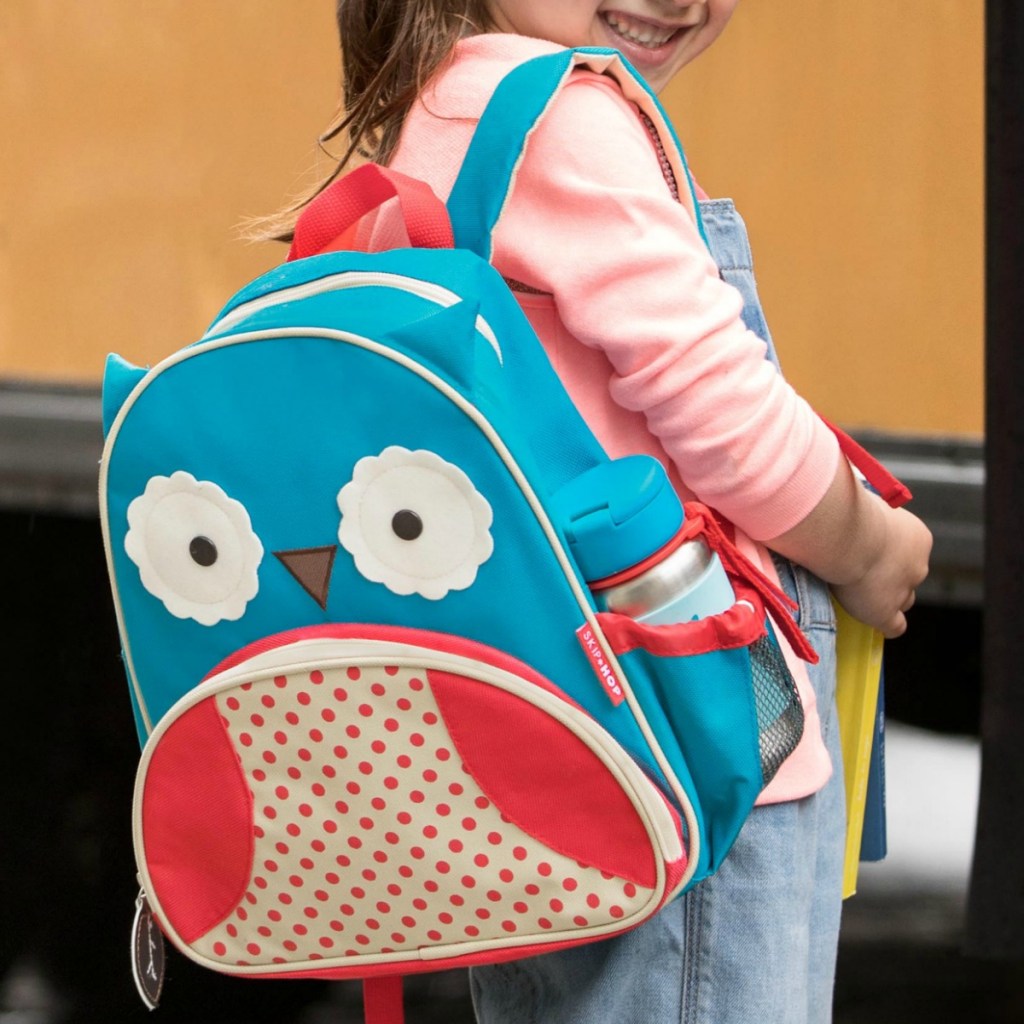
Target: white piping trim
499,446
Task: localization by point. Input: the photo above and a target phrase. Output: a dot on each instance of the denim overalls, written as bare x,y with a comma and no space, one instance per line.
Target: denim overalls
757,940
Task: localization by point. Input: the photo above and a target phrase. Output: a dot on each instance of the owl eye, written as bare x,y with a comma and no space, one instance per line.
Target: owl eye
195,548
415,523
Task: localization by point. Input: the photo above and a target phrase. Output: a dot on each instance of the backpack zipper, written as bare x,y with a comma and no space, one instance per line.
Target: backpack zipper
343,281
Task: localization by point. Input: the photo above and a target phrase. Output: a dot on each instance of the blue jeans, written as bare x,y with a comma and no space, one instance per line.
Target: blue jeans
753,944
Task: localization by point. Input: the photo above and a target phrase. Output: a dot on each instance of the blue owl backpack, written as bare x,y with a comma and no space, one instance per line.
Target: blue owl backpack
386,728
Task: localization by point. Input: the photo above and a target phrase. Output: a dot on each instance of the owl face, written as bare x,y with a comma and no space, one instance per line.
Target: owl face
251,494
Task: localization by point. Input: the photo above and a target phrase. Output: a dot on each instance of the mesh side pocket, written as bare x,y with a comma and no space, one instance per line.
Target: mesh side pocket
780,715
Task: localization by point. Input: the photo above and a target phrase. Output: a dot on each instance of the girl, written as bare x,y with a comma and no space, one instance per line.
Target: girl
656,343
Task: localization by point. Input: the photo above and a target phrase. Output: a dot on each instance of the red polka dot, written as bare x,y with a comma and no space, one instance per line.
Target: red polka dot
430,885
291,718
391,838
434,935
305,810
390,782
337,926
481,860
378,746
306,864
358,891
419,903
269,812
532,890
300,929
443,754
316,677
556,905
355,842
482,802
593,901
494,838
294,773
257,720
430,831
445,918
264,931
570,885
330,826
253,949
456,845
352,672
378,689
430,718
544,868
303,698
443,867
281,792
403,760
293,829
250,898
232,931
257,831
629,889
493,895
456,900
331,878
289,945
347,909
404,817
543,922
416,797
409,922
468,882
403,704
429,775
509,926
259,774
416,740
417,852
329,770
471,930
390,724
274,915
405,871
245,739
316,735
366,710
232,702
219,948
296,880
416,683
328,715
318,845
326,941
280,682
318,789
616,911
519,907
305,755
397,937
506,875
259,882
580,920
366,823
354,731
366,768
395,890
267,701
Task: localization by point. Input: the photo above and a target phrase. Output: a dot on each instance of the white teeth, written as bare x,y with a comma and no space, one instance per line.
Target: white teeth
639,31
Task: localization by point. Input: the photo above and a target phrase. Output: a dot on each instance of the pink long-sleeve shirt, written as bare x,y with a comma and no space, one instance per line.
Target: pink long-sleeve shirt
628,304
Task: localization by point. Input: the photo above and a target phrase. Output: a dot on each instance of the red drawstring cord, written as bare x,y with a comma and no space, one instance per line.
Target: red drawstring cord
780,606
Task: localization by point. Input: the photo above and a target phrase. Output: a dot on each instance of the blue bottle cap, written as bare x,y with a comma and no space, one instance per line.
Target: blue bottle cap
617,514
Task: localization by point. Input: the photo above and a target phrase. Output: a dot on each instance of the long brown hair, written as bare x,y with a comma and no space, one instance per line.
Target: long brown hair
390,49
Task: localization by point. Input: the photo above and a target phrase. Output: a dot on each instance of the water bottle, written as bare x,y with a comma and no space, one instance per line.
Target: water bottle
622,520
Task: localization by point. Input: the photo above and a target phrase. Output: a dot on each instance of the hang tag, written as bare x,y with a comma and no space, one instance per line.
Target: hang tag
147,954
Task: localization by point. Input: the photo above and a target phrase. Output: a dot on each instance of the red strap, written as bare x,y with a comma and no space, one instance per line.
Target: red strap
325,224
891,490
382,1000
780,606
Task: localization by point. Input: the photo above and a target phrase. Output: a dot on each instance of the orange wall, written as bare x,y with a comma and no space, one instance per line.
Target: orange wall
138,135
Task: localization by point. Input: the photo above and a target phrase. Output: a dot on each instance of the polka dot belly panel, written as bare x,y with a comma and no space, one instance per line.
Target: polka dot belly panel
326,807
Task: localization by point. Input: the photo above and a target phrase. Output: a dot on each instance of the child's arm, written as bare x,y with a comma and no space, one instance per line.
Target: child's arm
873,555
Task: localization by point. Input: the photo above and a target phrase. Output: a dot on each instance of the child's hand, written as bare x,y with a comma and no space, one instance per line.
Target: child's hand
874,556
886,591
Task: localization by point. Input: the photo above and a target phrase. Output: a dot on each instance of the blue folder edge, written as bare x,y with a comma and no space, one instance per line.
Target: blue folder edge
874,842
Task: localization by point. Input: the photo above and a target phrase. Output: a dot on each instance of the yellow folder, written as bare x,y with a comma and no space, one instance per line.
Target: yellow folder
859,669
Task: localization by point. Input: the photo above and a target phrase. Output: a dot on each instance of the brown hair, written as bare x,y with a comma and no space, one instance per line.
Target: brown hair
390,49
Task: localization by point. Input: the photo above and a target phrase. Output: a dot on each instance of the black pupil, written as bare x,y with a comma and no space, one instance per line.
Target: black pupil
406,524
203,551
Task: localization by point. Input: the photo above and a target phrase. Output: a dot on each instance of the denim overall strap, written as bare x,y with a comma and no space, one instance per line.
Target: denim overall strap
730,247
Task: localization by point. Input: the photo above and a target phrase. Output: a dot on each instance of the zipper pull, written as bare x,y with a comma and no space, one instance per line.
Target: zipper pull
148,958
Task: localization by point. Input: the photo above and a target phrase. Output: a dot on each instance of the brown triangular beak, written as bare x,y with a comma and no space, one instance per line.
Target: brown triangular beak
312,568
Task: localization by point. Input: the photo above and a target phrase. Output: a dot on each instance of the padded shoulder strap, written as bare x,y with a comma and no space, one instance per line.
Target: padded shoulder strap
513,113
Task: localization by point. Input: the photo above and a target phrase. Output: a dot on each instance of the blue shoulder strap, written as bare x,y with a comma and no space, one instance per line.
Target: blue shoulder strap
514,111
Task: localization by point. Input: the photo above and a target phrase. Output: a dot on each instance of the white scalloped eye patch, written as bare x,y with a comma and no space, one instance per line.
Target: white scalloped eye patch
194,547
415,523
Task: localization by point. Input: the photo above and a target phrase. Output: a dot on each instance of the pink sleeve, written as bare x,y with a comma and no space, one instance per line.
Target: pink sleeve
592,221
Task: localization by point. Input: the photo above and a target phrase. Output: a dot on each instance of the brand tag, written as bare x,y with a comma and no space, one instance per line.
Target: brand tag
599,663
147,954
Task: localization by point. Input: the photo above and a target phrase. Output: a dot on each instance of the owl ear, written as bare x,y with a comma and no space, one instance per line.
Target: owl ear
119,378
447,337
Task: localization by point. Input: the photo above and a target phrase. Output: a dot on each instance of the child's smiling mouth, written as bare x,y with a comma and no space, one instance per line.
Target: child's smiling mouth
649,34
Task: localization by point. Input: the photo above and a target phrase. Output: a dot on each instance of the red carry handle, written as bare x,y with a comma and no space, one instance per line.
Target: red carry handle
326,224
892,491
